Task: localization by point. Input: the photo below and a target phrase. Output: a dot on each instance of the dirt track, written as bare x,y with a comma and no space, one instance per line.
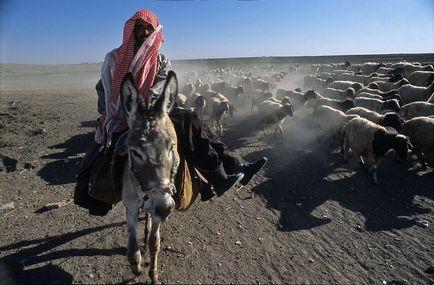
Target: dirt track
308,217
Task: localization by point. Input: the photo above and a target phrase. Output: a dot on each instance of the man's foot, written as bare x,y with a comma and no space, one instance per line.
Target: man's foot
250,169
227,184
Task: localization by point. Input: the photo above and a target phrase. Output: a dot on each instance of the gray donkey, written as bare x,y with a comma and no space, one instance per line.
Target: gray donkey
147,177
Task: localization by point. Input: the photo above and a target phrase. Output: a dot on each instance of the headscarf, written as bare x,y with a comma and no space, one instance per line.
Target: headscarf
143,66
125,55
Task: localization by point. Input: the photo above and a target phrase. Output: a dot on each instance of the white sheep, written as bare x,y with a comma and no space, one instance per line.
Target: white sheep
411,93
274,113
353,77
328,120
408,68
421,78
416,109
377,105
217,110
371,142
337,104
386,86
338,94
384,70
386,120
258,97
385,96
190,102
181,100
370,67
199,106
336,74
298,98
343,85
377,77
420,131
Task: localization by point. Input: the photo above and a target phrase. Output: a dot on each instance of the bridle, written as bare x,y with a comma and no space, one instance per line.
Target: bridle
171,189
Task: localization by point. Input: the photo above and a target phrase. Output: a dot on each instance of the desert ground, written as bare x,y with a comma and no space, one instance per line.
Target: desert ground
307,218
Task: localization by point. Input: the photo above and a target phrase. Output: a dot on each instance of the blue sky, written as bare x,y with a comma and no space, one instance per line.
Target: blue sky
75,31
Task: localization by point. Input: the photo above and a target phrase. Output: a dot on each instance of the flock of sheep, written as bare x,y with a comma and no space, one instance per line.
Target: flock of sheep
369,108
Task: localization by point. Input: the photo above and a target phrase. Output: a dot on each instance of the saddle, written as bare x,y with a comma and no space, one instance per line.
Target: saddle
106,178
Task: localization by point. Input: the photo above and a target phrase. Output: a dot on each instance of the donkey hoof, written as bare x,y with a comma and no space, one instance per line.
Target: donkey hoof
153,274
136,268
135,261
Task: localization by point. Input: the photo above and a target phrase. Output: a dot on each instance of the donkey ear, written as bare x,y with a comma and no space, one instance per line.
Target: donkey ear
129,95
166,100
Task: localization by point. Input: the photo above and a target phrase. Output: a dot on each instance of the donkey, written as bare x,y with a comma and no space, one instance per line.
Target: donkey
147,176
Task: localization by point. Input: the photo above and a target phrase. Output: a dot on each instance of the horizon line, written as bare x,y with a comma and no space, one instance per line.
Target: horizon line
250,58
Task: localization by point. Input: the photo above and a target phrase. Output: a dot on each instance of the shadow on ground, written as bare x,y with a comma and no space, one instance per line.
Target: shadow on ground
33,252
67,161
304,174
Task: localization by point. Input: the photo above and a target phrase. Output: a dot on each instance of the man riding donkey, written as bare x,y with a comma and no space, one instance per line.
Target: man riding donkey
140,55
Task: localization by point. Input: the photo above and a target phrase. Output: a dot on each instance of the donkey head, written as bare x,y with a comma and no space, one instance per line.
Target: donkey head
150,147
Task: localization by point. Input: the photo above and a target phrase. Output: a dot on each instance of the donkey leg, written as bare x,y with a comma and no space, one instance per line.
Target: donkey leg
133,252
148,227
154,250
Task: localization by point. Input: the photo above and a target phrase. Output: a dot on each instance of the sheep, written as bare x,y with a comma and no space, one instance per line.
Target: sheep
319,84
411,93
262,85
330,120
199,106
420,131
376,104
181,100
387,86
333,93
371,141
219,86
343,85
338,94
416,109
209,93
259,96
316,82
386,120
273,113
421,78
370,67
339,105
285,100
190,102
296,97
337,73
325,75
384,70
203,88
406,69
374,77
375,90
217,109
385,96
233,93
352,77
354,67
188,89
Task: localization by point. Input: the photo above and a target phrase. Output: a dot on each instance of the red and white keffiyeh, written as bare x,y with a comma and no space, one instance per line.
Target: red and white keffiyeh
117,63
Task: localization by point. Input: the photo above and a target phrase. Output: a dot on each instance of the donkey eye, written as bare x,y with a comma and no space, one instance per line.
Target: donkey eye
137,154
170,147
